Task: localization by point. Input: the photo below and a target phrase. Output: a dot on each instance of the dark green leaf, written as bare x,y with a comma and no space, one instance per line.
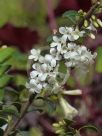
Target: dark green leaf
5,53
91,127
1,94
10,109
4,80
1,132
4,68
71,16
50,39
2,122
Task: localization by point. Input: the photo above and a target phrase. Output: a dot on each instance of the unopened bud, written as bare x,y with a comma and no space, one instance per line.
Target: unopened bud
80,11
55,125
59,131
95,24
73,92
93,17
99,22
86,23
84,13
92,36
69,111
4,46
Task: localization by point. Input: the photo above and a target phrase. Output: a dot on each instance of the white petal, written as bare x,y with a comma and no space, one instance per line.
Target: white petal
59,47
33,51
75,36
33,82
65,36
42,77
67,55
39,86
55,38
48,58
53,51
31,57
54,44
41,59
33,74
69,29
53,63
62,30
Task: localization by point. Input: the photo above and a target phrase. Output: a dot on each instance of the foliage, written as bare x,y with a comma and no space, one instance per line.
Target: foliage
14,95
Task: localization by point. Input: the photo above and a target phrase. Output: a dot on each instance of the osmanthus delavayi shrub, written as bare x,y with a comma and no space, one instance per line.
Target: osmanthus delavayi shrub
46,78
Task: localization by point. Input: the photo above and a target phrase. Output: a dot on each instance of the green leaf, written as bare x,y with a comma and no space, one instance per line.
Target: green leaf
2,122
22,133
89,127
1,132
71,15
99,60
4,80
5,53
4,68
49,39
10,109
1,94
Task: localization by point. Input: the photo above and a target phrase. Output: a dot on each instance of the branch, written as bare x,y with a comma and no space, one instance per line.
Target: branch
88,15
15,125
51,16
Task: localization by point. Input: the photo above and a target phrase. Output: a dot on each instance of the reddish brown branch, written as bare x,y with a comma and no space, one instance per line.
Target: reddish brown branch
51,16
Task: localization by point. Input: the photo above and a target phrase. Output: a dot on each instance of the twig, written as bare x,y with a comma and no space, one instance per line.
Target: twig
88,15
15,125
51,16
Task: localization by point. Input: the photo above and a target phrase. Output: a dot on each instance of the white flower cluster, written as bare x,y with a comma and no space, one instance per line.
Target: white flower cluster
45,68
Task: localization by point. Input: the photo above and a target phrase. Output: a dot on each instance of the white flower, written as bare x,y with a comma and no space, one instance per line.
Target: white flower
70,34
91,27
72,46
55,54
35,54
56,43
78,56
69,111
49,59
34,86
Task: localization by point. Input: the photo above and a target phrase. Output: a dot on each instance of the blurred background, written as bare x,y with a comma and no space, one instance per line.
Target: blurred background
25,24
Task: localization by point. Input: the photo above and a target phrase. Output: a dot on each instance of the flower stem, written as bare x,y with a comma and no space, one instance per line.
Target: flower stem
89,13
24,111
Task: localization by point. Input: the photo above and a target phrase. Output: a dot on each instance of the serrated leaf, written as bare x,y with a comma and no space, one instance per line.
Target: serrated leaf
71,15
5,53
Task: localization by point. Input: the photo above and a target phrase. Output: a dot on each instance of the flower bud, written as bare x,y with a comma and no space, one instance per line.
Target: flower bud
69,111
99,22
95,24
73,92
84,13
92,35
93,17
56,125
86,23
80,11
